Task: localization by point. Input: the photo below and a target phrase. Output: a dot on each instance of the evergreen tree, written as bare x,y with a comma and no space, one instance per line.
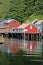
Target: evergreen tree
20,9
16,10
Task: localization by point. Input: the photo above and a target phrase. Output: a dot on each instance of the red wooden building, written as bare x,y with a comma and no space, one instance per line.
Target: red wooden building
29,32
7,25
27,28
14,23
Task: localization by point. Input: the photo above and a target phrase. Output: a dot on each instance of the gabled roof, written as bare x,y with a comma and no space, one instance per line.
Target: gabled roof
7,21
6,25
13,23
35,21
23,25
40,22
28,28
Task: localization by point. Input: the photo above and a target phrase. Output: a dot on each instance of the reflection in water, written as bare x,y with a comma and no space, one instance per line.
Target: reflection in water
15,44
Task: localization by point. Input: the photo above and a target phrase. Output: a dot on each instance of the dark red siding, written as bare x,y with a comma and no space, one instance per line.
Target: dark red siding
31,29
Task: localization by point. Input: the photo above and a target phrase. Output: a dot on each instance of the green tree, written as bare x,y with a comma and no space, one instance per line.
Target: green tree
20,9
34,6
38,9
4,7
16,10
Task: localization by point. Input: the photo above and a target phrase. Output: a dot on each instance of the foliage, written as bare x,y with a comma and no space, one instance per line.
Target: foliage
33,17
20,9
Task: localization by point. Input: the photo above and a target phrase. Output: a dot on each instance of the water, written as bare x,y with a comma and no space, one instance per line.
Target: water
12,45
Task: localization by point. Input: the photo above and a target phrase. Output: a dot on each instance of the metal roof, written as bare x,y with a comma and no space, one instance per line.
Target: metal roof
39,22
23,25
8,21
